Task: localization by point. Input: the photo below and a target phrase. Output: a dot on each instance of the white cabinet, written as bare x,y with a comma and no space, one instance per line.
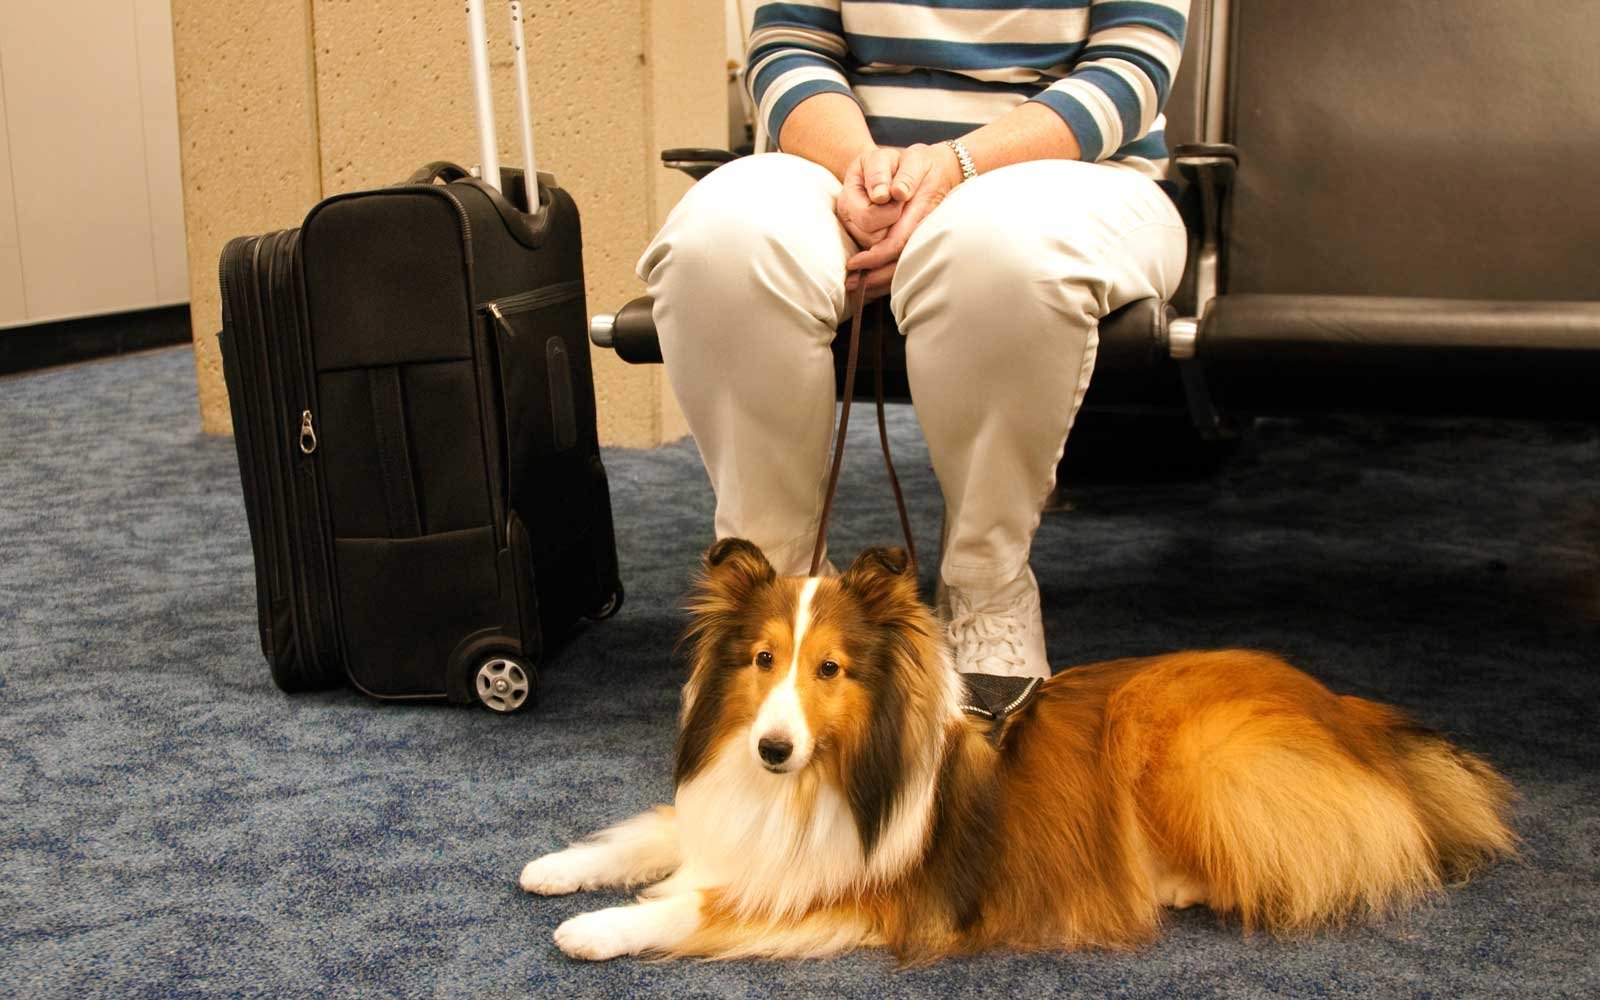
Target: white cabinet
91,203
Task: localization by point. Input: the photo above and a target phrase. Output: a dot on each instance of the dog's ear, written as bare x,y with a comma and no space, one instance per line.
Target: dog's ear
883,579
882,560
735,567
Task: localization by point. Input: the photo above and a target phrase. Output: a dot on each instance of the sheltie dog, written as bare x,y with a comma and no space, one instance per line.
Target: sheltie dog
832,794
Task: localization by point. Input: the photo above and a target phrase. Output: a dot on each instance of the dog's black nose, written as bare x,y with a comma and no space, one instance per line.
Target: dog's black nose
774,752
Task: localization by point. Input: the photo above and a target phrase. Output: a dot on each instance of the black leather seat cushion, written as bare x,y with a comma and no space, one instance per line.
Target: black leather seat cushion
1457,356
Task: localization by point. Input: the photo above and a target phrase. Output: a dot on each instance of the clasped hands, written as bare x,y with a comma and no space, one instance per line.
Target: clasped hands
887,193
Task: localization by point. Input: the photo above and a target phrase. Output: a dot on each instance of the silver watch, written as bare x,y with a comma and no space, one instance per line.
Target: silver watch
968,171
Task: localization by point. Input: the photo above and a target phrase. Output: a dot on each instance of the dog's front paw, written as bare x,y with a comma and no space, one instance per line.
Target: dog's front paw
553,875
596,936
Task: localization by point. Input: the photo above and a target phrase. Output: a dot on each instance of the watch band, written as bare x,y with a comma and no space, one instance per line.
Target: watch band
968,171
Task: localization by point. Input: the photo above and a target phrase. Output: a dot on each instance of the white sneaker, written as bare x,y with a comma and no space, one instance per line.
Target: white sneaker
998,632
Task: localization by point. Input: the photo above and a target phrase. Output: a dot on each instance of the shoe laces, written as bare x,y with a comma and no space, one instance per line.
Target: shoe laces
985,635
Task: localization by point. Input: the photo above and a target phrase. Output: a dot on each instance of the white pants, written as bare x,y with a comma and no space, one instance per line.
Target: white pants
999,294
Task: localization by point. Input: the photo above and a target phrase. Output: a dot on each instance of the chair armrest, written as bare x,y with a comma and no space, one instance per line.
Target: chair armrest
1204,154
695,161
1210,167
630,331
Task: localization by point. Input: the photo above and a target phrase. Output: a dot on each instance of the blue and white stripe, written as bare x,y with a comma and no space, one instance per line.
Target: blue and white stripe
927,70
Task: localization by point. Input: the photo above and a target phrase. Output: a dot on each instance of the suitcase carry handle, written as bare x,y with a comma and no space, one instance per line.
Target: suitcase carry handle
438,170
530,230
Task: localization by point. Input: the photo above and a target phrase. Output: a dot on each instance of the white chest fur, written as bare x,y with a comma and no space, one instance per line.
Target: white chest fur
772,843
777,844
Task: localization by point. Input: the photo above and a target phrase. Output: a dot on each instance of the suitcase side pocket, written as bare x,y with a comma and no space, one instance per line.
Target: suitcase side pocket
548,435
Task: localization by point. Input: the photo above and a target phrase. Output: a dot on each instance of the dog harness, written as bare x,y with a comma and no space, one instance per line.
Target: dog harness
995,698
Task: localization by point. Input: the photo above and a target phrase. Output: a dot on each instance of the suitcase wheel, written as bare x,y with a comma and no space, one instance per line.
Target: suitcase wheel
612,605
504,683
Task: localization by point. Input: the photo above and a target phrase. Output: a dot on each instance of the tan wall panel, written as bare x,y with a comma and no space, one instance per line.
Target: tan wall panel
688,91
247,121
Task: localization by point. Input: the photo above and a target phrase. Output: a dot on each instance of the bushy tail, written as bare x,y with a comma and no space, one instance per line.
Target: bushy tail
1295,826
1462,801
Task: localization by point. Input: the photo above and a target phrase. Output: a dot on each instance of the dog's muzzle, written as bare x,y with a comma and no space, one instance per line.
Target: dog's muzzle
775,752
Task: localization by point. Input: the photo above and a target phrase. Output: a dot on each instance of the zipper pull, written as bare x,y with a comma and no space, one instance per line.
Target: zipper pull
308,434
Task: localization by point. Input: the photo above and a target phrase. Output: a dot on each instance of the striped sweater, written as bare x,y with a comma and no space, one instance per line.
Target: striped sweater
929,70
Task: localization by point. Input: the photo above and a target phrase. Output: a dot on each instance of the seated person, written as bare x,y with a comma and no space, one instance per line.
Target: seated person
993,169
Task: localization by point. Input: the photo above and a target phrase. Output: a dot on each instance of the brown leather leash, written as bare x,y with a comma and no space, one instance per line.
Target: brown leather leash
858,306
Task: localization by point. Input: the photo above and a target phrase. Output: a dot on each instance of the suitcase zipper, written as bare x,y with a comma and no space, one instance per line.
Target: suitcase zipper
278,496
538,298
319,497
282,344
316,559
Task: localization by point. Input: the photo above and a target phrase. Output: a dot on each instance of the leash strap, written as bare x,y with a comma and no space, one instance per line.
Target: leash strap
883,441
858,306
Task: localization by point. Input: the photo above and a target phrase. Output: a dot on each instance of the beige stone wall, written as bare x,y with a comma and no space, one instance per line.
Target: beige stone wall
247,128
302,100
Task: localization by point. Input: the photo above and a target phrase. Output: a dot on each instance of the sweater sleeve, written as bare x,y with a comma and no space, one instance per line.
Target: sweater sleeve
1120,83
796,51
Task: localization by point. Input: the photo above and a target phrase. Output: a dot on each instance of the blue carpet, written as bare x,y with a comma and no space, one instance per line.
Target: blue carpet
173,826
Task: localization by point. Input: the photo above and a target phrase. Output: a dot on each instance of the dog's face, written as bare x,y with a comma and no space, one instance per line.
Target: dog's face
807,679
840,680
793,666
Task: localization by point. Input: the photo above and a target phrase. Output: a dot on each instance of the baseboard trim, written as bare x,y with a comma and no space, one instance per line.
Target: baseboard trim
63,342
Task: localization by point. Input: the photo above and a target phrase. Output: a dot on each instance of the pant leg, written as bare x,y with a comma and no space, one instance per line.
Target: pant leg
999,293
747,275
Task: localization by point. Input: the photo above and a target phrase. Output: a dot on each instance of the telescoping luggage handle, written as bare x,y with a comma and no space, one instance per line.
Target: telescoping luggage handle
488,146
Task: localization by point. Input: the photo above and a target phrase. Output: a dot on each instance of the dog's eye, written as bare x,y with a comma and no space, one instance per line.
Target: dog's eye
828,669
764,660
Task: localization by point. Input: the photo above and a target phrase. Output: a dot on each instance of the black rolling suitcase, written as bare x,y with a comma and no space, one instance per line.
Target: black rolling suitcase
414,413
